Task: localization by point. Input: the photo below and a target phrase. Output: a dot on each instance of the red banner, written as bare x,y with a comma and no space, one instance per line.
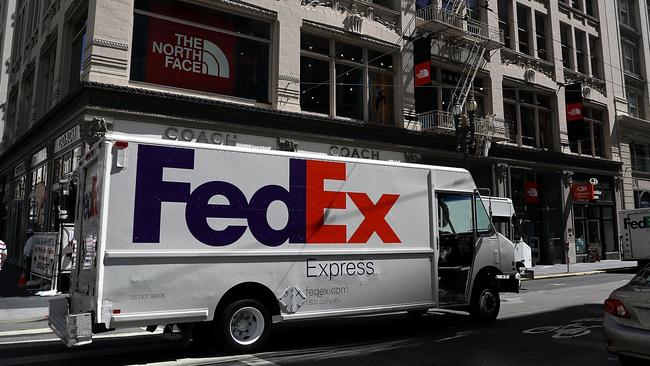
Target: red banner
423,73
574,112
532,192
180,55
582,192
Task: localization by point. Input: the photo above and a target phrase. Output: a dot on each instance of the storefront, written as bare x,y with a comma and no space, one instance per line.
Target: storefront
67,153
594,218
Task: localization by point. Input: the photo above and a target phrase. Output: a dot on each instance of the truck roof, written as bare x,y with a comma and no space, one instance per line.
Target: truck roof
444,178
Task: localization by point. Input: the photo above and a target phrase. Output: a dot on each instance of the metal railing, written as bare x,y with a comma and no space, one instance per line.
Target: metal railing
471,26
444,121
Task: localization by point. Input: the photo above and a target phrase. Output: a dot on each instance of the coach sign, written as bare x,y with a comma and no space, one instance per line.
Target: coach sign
185,46
67,139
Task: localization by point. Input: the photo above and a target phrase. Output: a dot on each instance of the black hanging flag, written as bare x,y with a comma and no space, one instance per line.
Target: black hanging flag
574,112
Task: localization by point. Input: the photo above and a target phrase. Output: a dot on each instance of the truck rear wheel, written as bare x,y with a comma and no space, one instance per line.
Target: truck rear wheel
244,326
485,303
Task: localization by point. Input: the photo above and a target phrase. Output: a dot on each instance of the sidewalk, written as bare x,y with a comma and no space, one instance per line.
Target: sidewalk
18,304
580,269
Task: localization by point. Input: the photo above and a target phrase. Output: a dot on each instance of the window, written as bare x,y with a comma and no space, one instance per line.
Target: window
390,4
641,199
36,219
181,45
590,8
483,223
46,81
529,117
592,133
581,59
77,50
17,45
565,35
630,56
576,4
626,12
25,109
523,14
364,80
540,32
634,106
455,213
640,156
594,56
504,22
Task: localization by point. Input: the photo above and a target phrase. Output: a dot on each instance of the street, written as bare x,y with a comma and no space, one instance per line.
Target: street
552,321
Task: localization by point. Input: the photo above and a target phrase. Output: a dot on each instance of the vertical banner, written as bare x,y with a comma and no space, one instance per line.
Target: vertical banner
423,73
532,192
574,112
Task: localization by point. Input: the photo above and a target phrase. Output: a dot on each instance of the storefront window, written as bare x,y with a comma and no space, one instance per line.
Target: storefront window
364,87
186,46
38,198
594,220
63,188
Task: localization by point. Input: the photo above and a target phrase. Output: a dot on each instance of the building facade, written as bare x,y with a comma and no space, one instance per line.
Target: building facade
373,79
7,9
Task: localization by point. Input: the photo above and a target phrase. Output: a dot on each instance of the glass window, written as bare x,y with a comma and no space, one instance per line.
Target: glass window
522,28
182,45
581,58
625,11
504,21
380,97
344,51
455,213
630,56
364,84
314,85
349,91
528,127
565,34
482,217
540,32
311,43
594,55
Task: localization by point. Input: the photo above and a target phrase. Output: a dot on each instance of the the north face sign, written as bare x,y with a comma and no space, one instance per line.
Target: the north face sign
193,54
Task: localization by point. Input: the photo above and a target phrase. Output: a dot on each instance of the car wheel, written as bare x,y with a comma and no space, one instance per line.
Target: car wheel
244,326
485,303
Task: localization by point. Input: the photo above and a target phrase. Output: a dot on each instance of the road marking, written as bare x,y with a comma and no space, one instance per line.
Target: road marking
78,354
458,335
12,333
558,284
512,300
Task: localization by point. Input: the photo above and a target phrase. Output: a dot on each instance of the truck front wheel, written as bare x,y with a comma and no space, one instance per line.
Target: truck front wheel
485,303
244,326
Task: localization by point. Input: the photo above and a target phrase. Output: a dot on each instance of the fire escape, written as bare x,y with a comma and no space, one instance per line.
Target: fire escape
449,22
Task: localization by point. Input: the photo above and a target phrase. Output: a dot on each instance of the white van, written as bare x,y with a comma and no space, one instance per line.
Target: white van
178,233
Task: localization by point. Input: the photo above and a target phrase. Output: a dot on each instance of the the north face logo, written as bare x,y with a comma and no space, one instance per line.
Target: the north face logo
195,55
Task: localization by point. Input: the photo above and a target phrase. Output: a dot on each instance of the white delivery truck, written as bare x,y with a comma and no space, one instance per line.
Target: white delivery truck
507,223
635,235
178,233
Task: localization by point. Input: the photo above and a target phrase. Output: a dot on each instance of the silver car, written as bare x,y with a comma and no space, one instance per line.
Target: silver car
627,320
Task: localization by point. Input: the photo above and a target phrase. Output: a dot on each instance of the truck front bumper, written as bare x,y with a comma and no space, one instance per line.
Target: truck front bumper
72,329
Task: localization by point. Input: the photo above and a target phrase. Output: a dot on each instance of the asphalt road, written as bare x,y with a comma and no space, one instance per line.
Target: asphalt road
554,321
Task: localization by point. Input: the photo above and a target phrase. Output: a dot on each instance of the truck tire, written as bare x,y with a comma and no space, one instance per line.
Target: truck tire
485,303
244,326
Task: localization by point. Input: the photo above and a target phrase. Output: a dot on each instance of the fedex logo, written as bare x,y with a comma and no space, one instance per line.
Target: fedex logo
306,200
641,224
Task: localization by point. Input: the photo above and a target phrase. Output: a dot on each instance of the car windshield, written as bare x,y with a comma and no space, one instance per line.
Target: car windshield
642,278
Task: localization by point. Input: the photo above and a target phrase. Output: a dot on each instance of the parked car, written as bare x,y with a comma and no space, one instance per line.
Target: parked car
627,320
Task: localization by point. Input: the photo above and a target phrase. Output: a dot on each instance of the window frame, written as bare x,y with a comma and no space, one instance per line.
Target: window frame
534,105
366,68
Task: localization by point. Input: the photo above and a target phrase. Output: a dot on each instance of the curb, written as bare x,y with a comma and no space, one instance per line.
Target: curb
25,320
576,274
